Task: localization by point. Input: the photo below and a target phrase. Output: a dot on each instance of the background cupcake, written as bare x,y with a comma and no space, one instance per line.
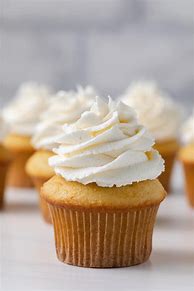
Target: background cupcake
22,116
161,116
5,159
105,196
186,155
64,108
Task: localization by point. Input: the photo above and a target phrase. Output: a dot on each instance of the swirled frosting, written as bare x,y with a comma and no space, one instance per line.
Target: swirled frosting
188,130
106,146
64,107
155,110
23,113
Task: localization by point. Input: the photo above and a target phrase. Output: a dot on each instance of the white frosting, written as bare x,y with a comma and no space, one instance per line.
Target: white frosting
106,146
3,129
188,130
23,113
155,111
65,107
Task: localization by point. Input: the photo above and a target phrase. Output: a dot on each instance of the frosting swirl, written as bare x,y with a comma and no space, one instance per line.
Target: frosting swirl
106,146
23,113
64,107
155,111
188,130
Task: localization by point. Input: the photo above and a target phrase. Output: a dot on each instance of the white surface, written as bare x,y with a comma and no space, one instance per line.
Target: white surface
28,261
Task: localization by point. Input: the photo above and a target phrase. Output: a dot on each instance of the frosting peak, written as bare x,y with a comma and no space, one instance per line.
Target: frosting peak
155,110
106,146
64,107
23,113
86,93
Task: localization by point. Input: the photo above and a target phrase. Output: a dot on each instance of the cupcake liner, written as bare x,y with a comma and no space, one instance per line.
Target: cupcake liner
3,172
103,239
189,181
38,183
165,177
17,176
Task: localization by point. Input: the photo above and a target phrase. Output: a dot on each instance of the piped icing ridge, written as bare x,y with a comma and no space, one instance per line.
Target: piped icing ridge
106,146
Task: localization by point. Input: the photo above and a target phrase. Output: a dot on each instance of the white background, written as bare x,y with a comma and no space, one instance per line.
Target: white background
107,43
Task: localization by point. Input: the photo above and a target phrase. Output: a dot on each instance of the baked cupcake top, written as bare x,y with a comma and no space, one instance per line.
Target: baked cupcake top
155,109
106,146
23,112
188,130
64,108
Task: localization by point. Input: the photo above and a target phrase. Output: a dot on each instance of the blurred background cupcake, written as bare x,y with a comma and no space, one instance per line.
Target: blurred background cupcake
5,159
63,108
161,116
186,156
22,115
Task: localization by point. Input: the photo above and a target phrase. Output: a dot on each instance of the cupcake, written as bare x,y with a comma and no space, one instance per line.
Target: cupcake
5,159
186,156
22,116
105,194
64,108
162,118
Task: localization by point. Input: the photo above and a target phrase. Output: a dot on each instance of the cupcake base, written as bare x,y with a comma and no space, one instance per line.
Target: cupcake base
17,176
103,239
3,172
165,177
40,172
168,150
102,227
38,183
189,181
20,149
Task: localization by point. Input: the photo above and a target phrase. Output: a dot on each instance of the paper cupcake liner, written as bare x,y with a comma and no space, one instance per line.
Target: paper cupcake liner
103,239
17,176
165,177
38,183
3,172
189,181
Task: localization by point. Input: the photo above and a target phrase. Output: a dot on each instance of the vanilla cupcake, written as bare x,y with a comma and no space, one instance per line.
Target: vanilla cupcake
5,158
22,116
64,108
105,194
186,155
161,116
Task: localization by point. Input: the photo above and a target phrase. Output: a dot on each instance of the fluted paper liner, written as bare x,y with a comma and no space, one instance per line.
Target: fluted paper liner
189,181
38,183
103,238
17,176
165,177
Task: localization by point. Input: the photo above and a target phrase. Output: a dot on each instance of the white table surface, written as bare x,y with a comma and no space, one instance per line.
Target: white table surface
28,260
